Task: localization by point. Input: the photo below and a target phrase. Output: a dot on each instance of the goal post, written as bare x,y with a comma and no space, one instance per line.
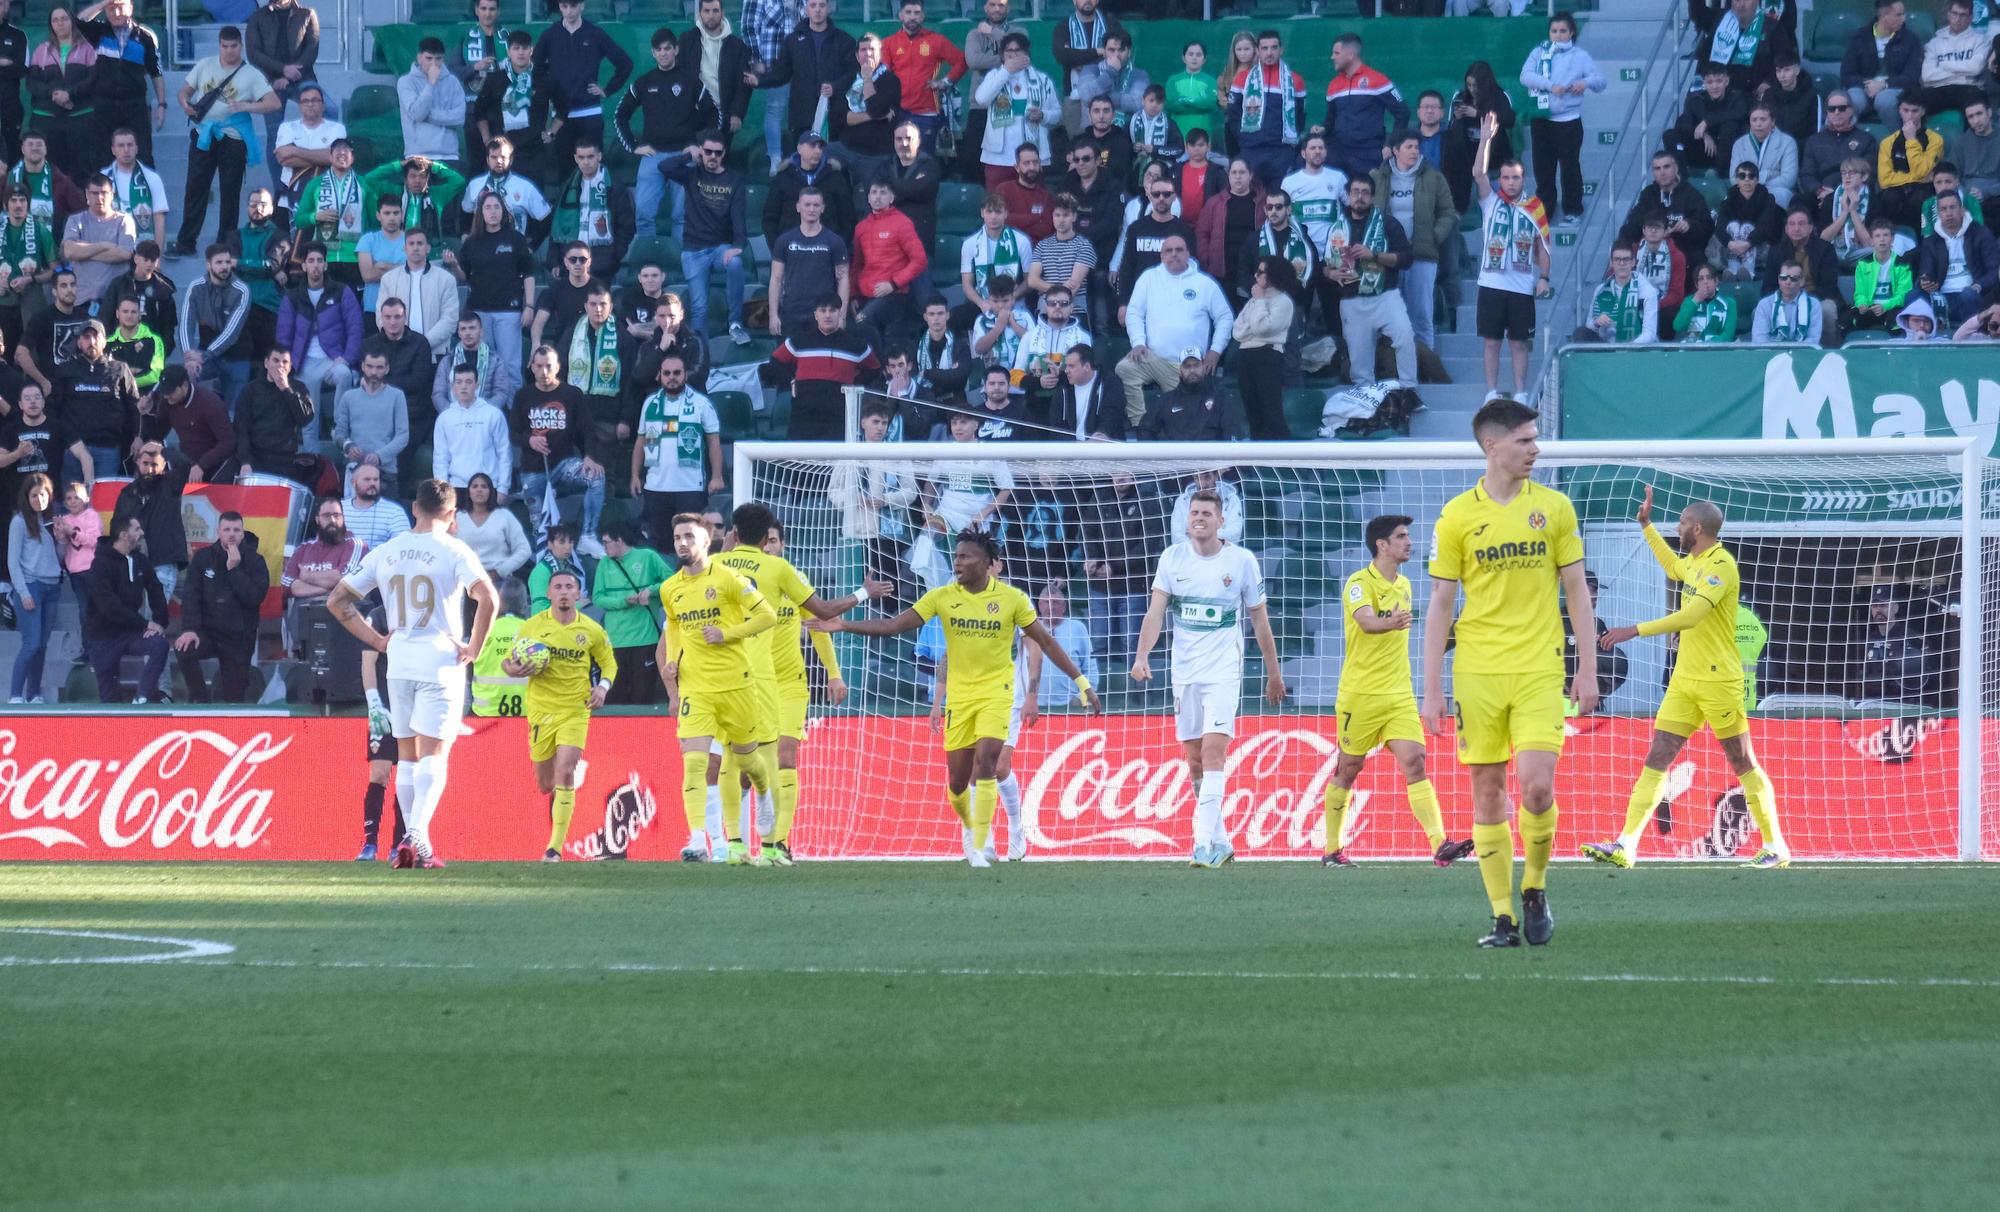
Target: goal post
1868,638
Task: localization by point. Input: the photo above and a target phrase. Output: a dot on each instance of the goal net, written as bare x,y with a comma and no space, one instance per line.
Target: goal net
1867,642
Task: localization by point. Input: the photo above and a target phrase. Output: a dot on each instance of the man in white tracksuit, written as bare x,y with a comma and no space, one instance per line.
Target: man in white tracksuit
1174,308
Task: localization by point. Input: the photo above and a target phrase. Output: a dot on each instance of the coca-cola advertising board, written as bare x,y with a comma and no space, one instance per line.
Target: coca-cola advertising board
282,788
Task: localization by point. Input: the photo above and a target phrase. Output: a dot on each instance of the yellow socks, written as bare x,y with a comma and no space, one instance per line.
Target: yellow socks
788,804
1538,837
1495,846
1336,815
985,797
1763,804
1638,809
561,809
961,803
1424,806
694,789
762,767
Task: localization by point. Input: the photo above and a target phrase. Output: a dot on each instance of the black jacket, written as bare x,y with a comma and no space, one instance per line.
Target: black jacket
1821,154
268,419
411,368
1902,65
119,586
781,203
671,107
1822,267
916,188
566,65
158,504
1142,248
489,123
1797,111
1100,214
806,67
715,202
159,309
14,49
98,401
1127,532
1726,119
222,602
121,81
735,60
872,137
1684,201
1102,406
1198,412
276,37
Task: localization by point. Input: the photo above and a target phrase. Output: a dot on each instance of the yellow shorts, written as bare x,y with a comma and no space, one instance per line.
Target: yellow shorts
1500,714
966,724
549,731
1368,720
1690,704
764,694
793,697
730,716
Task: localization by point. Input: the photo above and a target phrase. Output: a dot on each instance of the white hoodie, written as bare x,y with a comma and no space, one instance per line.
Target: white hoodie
468,440
1951,59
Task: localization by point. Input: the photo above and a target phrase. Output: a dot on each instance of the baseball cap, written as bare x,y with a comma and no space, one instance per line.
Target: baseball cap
812,137
96,326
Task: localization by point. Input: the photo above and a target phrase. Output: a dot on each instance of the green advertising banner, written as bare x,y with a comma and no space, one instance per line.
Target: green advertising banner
1721,392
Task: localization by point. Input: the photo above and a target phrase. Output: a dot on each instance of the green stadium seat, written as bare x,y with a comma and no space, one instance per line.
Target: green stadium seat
1830,32
1946,122
1711,187
1921,22
1744,295
369,101
1867,336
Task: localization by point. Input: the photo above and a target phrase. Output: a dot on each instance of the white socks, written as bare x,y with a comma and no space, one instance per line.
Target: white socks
406,792
430,782
1208,810
712,816
1010,799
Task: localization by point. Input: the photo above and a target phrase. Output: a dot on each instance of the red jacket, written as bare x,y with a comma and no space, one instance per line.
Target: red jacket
1670,298
1031,210
886,249
915,61
1211,231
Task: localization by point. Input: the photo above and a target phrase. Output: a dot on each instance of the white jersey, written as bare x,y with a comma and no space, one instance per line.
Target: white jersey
1207,597
423,577
1316,200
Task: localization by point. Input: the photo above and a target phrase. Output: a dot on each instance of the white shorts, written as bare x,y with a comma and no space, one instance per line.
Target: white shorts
1204,707
1014,725
426,708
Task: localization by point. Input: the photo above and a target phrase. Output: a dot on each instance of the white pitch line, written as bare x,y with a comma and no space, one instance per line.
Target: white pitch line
1583,978
189,949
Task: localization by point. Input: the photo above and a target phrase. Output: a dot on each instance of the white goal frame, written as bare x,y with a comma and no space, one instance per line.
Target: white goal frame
1966,452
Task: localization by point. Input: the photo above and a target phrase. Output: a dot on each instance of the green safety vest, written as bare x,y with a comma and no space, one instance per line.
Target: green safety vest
1750,640
493,692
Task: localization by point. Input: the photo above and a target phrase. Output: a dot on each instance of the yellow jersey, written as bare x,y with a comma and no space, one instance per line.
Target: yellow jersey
1377,662
716,595
1507,557
1708,651
564,685
767,575
978,638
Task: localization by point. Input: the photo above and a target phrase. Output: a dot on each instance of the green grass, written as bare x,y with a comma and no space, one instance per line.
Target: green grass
1048,1037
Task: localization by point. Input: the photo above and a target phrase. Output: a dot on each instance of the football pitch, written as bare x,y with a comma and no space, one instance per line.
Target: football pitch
1043,1036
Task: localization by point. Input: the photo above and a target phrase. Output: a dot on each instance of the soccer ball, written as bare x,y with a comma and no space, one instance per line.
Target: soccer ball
530,652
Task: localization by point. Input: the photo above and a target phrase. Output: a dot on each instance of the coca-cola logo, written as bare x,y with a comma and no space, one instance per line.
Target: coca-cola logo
189,786
1088,798
627,811
1893,741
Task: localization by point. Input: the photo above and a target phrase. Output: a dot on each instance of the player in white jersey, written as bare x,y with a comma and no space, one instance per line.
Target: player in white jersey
422,575
1207,585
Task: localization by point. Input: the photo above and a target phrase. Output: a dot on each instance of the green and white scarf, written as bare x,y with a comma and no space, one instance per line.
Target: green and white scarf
420,213
1545,67
1150,131
1623,304
138,199
1714,320
340,198
856,103
514,103
1657,265
1006,255
1254,100
1375,238
476,46
1296,250
31,241
40,187
1735,46
1511,225
664,416
1083,36
482,361
576,220
594,368
1802,311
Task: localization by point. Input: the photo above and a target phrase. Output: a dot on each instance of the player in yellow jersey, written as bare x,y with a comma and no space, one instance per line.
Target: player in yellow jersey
561,696
705,663
1514,545
981,614
1707,685
789,592
1376,703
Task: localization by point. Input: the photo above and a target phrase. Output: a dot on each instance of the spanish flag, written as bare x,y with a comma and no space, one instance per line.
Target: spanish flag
267,510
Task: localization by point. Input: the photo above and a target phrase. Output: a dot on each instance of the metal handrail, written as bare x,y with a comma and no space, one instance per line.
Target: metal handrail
1646,116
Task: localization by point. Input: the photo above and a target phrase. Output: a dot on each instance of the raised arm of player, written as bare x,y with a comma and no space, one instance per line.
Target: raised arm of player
1038,633
1576,591
1274,678
1437,631
909,620
1149,634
